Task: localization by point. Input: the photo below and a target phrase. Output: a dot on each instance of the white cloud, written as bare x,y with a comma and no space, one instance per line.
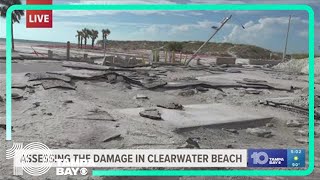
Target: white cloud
270,32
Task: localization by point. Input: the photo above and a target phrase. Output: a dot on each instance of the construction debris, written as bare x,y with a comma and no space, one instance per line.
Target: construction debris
17,94
19,85
151,114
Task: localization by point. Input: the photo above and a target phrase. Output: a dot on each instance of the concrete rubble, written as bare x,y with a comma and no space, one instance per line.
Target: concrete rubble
151,114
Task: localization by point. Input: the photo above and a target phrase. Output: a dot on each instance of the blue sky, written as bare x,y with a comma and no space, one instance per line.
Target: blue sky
263,28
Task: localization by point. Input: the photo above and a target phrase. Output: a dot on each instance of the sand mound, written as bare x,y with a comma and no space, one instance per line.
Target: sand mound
298,66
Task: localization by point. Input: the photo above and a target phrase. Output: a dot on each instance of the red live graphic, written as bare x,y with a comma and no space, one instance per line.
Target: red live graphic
39,18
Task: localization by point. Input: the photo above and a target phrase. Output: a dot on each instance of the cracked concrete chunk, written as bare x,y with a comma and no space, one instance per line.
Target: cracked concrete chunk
151,114
171,105
259,132
49,84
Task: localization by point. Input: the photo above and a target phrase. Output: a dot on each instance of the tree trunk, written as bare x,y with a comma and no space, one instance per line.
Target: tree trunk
93,43
12,39
81,42
85,43
78,41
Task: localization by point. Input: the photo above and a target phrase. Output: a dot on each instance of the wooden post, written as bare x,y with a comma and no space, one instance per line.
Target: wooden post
50,54
68,50
180,57
85,57
173,57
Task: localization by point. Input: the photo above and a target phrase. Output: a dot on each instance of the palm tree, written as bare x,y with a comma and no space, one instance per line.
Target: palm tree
79,38
16,14
105,33
94,36
86,33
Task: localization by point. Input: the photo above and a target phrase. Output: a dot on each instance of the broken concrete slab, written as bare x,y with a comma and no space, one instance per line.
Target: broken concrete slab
206,115
19,85
17,94
47,76
151,114
99,116
259,132
171,105
49,84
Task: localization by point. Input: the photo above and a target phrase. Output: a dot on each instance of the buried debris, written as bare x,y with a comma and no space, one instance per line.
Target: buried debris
17,94
259,132
1,99
233,71
252,91
293,123
202,89
112,137
171,105
151,114
187,93
191,143
302,140
97,115
19,85
141,96
47,76
231,130
49,84
155,84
